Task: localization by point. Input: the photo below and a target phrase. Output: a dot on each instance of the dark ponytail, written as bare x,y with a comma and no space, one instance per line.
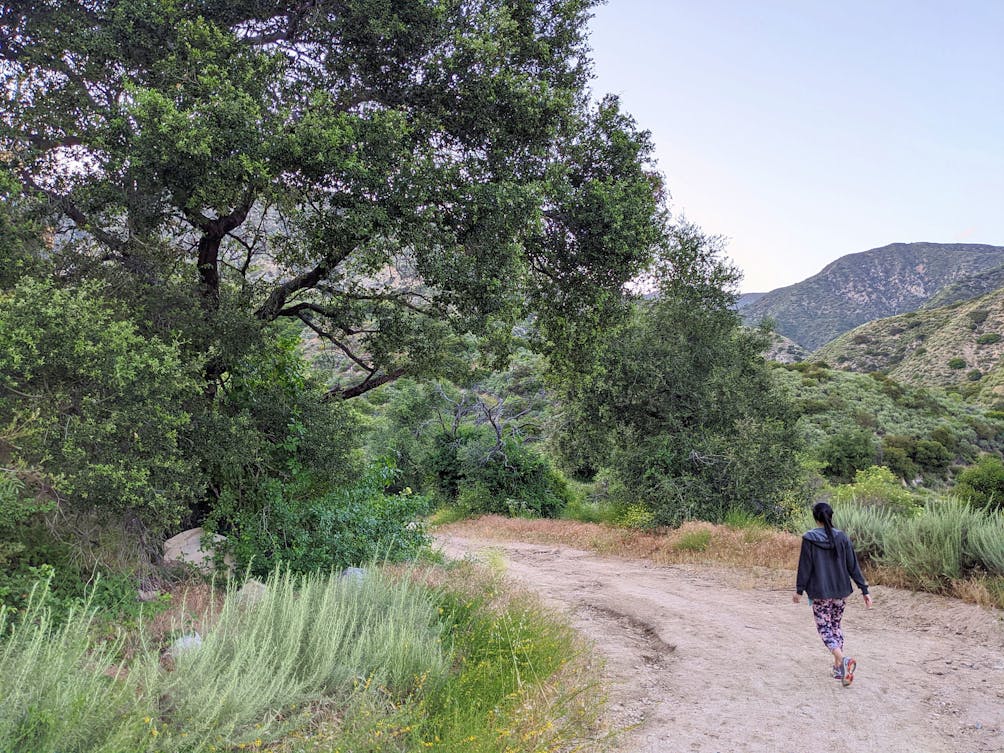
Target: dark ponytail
823,513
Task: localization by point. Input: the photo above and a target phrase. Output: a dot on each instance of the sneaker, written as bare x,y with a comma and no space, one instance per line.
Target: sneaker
838,672
848,671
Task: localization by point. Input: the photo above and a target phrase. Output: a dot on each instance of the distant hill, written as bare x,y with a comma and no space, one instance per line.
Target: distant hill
747,299
967,288
959,347
873,284
785,350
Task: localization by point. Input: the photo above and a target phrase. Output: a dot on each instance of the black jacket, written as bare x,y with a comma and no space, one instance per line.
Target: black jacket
825,570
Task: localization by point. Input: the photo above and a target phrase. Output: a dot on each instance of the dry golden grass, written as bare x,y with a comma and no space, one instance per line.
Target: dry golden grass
767,556
742,547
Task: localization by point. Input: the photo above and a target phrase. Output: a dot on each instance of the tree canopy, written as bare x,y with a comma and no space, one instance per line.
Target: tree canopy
681,408
392,176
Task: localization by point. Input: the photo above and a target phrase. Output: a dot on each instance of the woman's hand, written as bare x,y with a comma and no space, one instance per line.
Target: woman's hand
796,598
868,601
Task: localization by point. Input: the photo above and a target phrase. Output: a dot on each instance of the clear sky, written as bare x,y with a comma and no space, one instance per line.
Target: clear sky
803,130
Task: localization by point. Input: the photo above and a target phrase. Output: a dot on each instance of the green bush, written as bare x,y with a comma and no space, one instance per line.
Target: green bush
847,452
983,483
985,542
102,407
57,692
932,547
693,541
956,363
875,486
977,317
482,475
868,527
988,339
348,526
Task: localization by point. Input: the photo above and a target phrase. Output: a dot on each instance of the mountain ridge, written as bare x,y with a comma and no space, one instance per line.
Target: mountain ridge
868,285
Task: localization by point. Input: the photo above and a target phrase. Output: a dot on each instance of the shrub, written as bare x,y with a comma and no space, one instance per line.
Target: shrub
636,516
57,691
974,375
876,486
983,484
988,339
932,547
693,541
977,317
956,363
483,475
985,542
847,452
344,527
868,526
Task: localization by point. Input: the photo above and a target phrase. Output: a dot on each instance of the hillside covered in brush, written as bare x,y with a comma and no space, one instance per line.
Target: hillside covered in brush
874,284
958,347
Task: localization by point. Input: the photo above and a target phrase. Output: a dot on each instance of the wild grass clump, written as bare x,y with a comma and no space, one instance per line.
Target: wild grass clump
317,663
693,541
308,638
61,691
944,544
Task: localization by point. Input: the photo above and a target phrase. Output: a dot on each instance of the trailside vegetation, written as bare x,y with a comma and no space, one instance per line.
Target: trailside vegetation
680,407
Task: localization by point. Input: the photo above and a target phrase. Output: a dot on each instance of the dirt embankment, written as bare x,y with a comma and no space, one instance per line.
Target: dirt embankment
712,660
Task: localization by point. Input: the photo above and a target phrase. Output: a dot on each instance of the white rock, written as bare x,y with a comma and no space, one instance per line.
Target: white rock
187,547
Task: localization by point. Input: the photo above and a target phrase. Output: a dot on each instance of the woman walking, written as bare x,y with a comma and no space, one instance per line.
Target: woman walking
826,567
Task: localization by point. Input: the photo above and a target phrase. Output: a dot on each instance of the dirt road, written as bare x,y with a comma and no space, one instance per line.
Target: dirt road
707,660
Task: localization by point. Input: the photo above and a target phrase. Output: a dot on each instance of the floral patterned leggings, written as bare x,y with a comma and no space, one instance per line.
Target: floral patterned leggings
828,613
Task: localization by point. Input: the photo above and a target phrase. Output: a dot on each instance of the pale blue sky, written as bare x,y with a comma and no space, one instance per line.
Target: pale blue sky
806,130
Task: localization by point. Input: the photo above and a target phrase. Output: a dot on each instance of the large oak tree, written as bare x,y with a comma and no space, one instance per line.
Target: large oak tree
392,175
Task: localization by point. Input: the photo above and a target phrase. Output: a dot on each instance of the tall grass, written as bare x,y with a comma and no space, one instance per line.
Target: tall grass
60,691
986,543
308,638
317,664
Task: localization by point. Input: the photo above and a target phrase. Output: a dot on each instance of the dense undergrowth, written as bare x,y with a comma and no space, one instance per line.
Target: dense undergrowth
405,661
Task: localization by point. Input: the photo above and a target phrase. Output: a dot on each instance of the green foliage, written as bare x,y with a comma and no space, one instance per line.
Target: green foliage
933,547
101,406
985,542
905,420
371,656
286,526
876,486
693,541
988,339
847,452
908,457
57,692
983,483
945,540
271,426
475,447
680,407
956,363
507,478
635,516
408,173
740,518
977,317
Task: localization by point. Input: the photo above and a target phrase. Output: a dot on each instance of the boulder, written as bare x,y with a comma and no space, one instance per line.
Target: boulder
353,574
187,548
251,593
187,642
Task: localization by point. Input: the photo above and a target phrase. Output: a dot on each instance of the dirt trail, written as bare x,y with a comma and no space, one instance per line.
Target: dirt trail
700,662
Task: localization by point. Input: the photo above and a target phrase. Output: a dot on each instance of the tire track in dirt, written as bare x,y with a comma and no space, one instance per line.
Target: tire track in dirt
697,664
